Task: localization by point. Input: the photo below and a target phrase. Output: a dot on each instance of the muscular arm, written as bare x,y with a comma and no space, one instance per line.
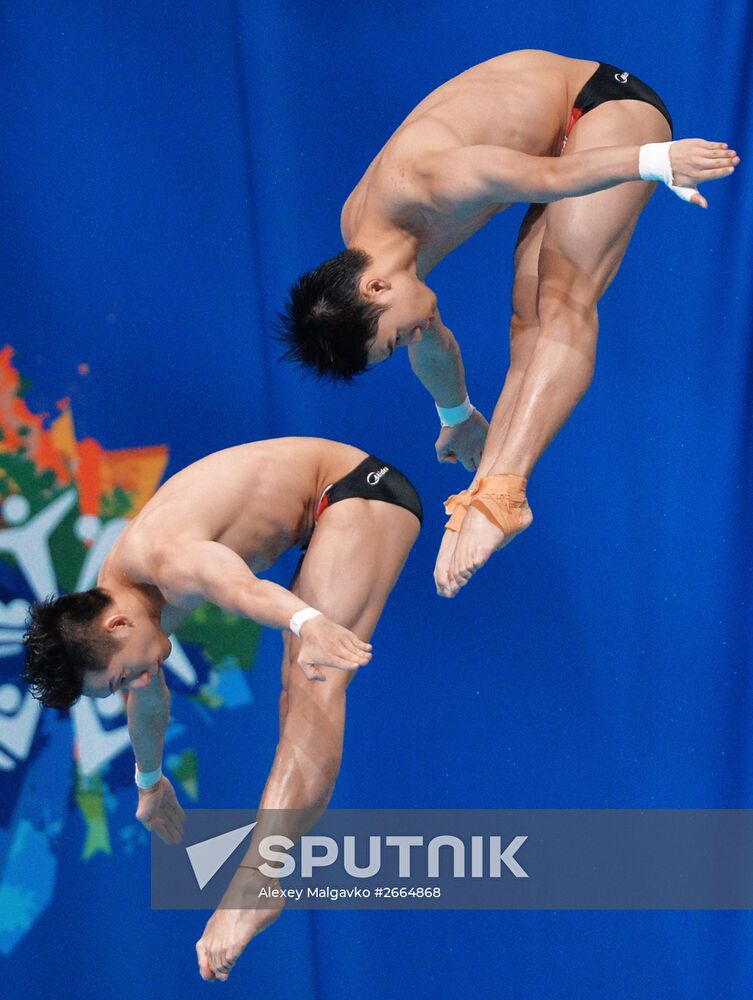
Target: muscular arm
213,572
476,175
209,571
148,712
438,364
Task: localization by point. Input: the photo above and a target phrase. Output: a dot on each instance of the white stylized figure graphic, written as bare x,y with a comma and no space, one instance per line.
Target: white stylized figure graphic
27,540
19,717
100,538
97,746
12,626
19,714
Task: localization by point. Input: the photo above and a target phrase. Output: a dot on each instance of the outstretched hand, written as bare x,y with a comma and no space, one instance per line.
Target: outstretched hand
696,161
160,812
326,644
464,442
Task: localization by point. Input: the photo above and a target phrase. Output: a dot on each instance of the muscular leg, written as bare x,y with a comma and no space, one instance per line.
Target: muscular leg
353,562
583,245
356,553
524,329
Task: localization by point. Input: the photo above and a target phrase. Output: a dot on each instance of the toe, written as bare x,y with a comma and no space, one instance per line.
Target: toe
223,966
204,969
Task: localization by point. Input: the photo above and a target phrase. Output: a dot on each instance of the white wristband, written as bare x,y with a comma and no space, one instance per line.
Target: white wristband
654,165
451,416
653,162
147,779
300,618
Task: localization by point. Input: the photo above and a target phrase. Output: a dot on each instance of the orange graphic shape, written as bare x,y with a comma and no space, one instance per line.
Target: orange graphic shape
96,471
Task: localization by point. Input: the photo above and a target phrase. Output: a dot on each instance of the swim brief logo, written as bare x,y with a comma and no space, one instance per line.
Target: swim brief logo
373,477
621,77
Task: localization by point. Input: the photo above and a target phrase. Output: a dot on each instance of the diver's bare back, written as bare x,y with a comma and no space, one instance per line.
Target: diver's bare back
520,100
258,499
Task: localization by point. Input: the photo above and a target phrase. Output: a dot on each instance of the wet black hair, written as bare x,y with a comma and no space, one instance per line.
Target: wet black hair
63,641
327,323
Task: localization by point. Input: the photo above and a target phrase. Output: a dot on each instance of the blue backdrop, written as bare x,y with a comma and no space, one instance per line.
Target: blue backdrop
168,170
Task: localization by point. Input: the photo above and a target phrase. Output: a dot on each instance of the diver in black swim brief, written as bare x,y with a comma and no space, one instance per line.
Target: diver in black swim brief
206,535
484,140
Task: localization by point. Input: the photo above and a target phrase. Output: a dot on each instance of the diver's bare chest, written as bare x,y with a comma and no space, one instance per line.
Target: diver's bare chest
444,233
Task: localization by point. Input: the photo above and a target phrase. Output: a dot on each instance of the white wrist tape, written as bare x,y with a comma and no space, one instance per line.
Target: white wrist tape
147,779
451,416
300,618
654,165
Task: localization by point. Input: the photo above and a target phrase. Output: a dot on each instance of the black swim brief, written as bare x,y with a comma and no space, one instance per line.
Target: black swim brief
373,479
609,83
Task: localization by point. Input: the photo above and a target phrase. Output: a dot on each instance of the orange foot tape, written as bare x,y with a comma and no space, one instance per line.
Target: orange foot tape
501,499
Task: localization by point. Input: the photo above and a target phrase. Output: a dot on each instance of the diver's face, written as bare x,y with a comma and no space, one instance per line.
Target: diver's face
408,314
142,647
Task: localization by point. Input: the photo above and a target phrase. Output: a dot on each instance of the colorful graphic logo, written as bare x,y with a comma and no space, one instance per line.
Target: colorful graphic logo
63,502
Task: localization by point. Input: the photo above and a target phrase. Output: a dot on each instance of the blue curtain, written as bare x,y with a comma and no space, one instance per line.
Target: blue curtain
168,170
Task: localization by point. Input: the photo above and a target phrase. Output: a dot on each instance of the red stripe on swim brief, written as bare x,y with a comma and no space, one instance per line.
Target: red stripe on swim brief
322,506
575,115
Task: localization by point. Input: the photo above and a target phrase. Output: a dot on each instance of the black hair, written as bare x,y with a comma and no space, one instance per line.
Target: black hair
63,642
327,323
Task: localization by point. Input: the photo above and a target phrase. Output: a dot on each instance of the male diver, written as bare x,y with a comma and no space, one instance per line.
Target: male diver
204,536
584,142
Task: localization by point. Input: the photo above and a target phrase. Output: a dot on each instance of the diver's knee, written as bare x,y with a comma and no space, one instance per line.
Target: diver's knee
283,705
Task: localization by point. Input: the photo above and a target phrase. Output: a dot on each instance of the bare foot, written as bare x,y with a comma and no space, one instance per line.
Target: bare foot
228,931
478,538
442,566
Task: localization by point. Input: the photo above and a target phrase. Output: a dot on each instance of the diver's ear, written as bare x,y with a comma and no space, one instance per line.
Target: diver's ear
116,621
372,288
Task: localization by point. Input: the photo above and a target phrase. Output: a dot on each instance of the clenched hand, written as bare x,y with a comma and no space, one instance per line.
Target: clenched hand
463,443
